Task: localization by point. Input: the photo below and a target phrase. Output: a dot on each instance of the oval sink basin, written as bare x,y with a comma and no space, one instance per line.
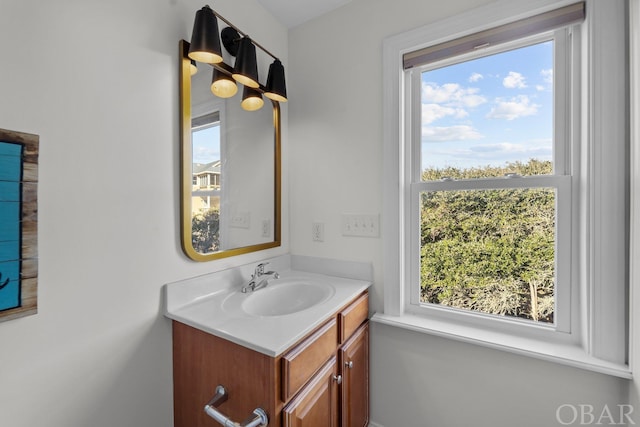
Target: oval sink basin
283,297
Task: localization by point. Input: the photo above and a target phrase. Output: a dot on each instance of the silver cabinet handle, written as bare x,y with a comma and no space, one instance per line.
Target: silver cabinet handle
259,418
349,364
337,379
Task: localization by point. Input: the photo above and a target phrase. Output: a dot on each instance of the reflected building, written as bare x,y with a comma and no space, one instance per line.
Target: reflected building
206,187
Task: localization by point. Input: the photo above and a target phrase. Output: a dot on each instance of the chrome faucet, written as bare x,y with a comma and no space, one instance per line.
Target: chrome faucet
257,281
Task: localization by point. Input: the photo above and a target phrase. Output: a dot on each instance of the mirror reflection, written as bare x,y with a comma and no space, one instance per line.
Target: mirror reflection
230,170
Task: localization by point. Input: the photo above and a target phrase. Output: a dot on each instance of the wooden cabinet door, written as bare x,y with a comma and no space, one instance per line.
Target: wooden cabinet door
354,358
316,405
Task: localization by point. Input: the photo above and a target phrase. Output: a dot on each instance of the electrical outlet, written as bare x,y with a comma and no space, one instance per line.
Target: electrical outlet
361,225
317,232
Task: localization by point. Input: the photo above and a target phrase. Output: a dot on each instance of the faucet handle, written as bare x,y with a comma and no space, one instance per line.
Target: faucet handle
260,269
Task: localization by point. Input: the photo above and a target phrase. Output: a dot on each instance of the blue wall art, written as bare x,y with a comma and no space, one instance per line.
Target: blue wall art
18,224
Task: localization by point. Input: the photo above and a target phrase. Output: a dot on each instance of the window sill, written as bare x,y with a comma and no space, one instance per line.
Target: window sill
569,355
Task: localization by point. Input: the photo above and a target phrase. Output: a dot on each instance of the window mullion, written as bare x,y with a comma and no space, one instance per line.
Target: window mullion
413,210
416,125
413,297
492,183
561,100
564,242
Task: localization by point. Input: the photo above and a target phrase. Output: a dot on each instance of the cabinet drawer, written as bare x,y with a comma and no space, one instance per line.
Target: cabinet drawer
301,362
353,316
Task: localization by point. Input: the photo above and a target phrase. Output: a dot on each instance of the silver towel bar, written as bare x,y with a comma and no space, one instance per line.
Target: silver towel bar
257,419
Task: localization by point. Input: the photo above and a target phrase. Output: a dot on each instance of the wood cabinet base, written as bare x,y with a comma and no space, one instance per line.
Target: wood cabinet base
316,383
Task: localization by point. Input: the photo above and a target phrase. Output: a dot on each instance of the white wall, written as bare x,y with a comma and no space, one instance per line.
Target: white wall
336,159
98,81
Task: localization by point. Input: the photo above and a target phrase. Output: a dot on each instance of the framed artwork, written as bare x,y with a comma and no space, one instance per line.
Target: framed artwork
18,224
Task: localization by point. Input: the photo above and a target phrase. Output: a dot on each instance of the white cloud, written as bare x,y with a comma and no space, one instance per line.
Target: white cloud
547,75
514,81
472,154
433,112
451,95
449,133
547,78
511,109
541,149
475,77
205,154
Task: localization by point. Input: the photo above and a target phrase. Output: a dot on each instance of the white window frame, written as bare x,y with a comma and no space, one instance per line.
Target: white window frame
594,335
561,181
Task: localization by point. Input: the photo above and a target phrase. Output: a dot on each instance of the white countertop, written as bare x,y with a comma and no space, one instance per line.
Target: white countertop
218,313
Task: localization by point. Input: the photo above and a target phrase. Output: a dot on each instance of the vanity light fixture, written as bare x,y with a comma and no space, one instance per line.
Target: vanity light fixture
246,69
276,87
205,40
205,47
222,85
251,99
193,68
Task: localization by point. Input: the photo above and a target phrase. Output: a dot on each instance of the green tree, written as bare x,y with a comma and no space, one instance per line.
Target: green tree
490,250
205,230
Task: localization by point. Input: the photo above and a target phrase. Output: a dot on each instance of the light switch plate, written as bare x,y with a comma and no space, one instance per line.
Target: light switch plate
361,225
241,220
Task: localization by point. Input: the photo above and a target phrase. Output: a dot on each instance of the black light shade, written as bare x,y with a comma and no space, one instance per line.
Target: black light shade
193,68
276,86
246,67
222,85
205,39
251,99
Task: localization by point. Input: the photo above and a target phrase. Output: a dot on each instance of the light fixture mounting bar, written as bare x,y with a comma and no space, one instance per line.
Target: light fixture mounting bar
242,33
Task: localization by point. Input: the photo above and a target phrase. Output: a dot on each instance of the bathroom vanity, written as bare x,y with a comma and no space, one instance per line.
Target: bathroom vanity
303,361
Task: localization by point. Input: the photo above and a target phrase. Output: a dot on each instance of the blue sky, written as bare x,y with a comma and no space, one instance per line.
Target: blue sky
206,144
490,110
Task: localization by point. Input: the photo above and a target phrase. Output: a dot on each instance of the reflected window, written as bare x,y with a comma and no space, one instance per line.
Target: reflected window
206,192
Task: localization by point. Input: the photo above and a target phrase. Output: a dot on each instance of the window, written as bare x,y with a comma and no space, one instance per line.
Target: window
490,187
498,158
206,193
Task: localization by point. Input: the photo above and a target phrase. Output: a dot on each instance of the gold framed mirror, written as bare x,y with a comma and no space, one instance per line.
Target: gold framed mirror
230,169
